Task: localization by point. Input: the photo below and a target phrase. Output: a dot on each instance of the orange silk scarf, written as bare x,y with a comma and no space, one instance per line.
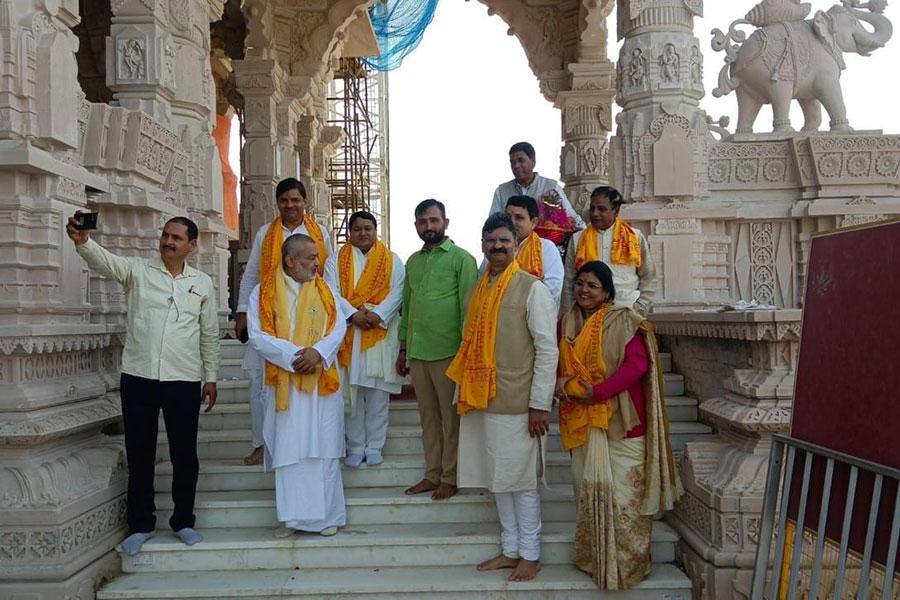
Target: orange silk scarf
582,359
474,368
531,256
626,247
372,288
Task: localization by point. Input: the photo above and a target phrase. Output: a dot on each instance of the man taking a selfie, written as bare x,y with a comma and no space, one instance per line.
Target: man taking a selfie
170,361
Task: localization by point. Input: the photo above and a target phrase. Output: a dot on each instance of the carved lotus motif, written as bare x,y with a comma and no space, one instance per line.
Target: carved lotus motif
747,170
718,171
774,170
830,165
858,164
886,165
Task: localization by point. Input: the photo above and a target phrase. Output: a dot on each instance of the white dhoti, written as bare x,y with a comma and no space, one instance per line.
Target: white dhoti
256,376
304,445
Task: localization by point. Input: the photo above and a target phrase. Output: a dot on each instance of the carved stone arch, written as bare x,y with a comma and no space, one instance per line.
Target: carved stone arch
323,43
548,34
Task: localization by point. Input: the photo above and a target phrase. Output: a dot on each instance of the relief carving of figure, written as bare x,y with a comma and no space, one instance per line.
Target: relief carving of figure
133,58
669,63
637,69
696,66
788,58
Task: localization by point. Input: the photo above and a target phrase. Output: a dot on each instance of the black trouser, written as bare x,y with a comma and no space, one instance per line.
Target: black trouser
180,403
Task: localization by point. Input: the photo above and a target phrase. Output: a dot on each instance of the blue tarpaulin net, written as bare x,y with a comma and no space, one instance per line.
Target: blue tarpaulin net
399,26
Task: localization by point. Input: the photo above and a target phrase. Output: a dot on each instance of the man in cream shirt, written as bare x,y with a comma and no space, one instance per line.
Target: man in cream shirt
171,349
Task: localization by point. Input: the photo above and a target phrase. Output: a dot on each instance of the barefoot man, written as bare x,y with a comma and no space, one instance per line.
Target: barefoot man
290,196
438,278
506,372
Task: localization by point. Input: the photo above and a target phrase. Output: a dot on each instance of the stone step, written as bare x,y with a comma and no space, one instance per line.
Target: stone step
234,389
401,440
233,349
221,475
365,506
555,582
230,368
402,413
374,546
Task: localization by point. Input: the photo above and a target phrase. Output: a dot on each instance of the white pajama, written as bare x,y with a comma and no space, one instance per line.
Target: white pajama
257,380
520,523
367,427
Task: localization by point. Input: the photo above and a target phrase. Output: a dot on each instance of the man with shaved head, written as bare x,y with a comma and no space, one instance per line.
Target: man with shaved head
296,324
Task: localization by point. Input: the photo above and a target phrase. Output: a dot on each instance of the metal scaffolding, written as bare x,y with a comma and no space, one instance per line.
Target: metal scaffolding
358,173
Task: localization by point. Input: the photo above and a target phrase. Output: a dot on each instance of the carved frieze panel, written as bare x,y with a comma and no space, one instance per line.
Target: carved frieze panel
751,165
27,546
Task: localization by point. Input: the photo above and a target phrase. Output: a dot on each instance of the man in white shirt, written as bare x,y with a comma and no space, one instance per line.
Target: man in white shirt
370,280
527,182
296,324
171,346
535,254
290,195
622,247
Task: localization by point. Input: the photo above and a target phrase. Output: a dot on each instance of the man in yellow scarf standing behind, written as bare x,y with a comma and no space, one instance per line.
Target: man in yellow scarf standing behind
370,279
293,217
296,325
613,241
506,371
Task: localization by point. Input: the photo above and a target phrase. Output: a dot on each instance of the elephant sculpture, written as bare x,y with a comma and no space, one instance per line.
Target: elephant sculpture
788,58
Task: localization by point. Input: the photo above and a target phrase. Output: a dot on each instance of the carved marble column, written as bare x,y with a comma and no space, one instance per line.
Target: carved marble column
744,363
586,124
260,81
61,479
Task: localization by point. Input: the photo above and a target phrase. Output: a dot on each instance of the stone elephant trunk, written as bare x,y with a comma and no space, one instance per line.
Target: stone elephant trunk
867,41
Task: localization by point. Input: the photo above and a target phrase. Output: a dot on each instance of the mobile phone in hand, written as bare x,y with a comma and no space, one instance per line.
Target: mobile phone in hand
85,220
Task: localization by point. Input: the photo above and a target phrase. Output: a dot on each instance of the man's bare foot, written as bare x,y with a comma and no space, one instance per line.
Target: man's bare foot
255,457
422,486
498,562
444,491
526,570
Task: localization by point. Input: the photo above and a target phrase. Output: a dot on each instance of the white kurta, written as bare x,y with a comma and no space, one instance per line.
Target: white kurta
539,185
635,288
304,444
495,451
374,368
253,364
554,272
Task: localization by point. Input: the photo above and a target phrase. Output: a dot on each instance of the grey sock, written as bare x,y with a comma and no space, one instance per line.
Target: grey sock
188,536
132,544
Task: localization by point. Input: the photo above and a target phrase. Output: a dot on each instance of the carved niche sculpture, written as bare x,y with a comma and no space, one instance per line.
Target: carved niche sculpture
788,57
670,64
637,69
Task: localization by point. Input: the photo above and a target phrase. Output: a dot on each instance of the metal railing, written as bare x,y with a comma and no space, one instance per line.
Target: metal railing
787,451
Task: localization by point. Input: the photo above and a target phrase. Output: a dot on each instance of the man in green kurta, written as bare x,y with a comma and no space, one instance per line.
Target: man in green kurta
438,279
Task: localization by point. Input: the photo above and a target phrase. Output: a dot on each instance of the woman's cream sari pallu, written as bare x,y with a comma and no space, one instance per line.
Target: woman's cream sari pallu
620,483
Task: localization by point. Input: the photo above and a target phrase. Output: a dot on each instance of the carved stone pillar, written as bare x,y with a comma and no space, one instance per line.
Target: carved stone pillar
660,150
260,81
140,56
61,479
744,363
586,124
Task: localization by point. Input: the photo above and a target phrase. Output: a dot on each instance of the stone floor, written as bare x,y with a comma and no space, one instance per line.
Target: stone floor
393,545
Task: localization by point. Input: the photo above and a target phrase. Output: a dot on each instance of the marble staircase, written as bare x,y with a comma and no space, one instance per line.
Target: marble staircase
394,546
